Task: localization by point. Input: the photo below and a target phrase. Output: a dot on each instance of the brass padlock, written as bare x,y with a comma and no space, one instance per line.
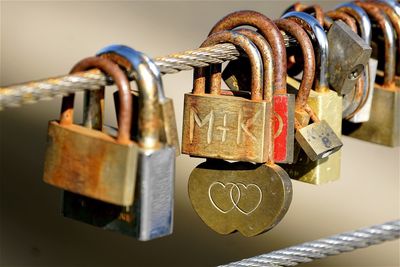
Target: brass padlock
363,111
169,133
326,104
384,124
88,161
227,127
151,215
240,196
283,102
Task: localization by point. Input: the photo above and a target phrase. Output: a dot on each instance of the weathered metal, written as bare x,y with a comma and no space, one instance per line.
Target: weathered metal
88,161
237,77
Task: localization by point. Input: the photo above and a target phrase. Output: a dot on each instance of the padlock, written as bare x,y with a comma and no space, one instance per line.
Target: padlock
151,215
318,140
169,133
326,104
83,160
363,112
283,102
240,196
227,127
384,124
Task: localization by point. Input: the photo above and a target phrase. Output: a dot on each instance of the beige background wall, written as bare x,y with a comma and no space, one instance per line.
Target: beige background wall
42,39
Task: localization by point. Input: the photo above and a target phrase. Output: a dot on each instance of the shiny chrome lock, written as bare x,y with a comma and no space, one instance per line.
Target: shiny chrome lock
88,161
169,133
151,215
238,77
326,104
227,127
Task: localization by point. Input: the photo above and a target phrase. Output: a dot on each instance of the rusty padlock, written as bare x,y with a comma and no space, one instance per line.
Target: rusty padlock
326,104
83,160
151,214
227,127
283,102
384,124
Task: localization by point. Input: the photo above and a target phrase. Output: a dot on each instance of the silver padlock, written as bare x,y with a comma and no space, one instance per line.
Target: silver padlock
364,23
151,215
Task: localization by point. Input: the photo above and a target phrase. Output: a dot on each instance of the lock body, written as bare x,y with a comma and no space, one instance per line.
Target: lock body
90,163
383,126
328,107
226,127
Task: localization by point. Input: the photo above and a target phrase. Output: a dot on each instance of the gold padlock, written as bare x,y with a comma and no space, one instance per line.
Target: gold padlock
90,162
227,127
383,126
326,104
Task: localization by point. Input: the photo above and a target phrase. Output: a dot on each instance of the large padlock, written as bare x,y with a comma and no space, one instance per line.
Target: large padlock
283,102
318,140
169,133
151,215
90,162
240,196
326,104
227,127
363,111
384,124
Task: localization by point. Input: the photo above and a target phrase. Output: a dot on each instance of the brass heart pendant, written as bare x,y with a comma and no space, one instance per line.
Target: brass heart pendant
245,197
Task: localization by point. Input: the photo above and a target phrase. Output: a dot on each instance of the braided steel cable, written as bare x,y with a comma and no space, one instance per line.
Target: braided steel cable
31,92
325,247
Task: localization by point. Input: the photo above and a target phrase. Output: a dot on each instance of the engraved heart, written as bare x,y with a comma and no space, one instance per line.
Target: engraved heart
221,196
250,198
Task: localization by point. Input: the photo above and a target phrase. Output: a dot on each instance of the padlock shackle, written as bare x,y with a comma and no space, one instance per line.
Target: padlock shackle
269,31
307,50
215,83
112,69
316,33
390,11
315,10
343,16
386,26
149,84
364,23
392,3
267,59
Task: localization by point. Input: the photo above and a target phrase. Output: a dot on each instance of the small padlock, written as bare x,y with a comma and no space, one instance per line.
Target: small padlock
151,215
326,104
169,133
238,75
363,111
227,127
83,160
384,124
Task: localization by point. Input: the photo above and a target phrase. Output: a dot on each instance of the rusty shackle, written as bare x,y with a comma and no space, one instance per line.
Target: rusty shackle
112,69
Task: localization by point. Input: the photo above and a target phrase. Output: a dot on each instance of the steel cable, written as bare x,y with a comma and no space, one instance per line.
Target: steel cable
324,247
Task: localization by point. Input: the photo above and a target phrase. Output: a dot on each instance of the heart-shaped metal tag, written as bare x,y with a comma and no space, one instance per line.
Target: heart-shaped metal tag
245,197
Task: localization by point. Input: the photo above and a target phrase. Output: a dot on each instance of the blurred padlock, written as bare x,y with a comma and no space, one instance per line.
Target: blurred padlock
169,132
151,215
88,161
363,111
384,124
227,127
237,77
326,104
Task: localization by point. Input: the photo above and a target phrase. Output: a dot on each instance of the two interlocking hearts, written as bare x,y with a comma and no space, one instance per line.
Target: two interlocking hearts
227,197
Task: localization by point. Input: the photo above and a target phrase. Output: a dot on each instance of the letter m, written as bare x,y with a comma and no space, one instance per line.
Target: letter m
195,119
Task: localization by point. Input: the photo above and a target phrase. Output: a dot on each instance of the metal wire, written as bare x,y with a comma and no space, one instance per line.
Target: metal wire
325,247
31,92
